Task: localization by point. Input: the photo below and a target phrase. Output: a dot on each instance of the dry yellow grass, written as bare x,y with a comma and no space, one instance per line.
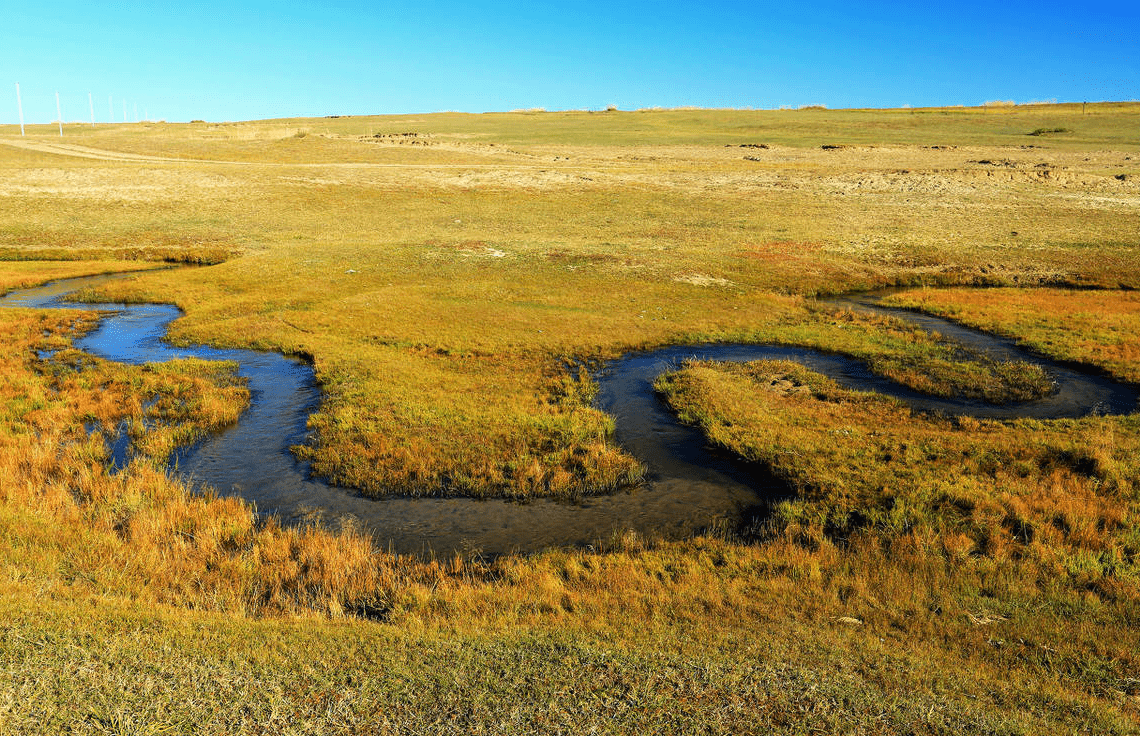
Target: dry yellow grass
1100,328
74,528
440,288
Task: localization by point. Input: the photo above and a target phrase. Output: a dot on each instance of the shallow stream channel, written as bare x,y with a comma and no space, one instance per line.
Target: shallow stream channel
689,487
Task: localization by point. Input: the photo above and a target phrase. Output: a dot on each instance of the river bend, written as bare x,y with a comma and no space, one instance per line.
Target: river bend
689,486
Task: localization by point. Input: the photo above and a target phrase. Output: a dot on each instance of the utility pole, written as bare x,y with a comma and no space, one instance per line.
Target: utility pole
91,104
59,114
20,106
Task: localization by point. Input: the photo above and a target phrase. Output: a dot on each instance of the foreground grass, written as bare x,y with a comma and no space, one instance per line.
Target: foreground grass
71,526
1064,488
131,671
991,578
1048,507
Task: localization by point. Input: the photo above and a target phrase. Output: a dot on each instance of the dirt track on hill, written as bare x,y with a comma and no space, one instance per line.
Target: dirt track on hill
70,149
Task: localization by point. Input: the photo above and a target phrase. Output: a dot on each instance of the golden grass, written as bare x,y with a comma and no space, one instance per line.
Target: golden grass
1101,328
911,356
998,570
1049,507
440,287
932,576
1045,491
73,527
23,274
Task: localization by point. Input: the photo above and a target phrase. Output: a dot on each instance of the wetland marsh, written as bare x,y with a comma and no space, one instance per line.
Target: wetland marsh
480,315
687,489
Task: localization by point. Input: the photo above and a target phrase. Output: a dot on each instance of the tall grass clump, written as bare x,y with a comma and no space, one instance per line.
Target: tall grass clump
1041,495
139,533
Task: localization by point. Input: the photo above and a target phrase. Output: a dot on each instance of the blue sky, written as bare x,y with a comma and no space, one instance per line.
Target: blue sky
244,60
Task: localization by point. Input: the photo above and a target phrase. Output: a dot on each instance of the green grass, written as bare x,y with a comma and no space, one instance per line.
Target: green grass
314,677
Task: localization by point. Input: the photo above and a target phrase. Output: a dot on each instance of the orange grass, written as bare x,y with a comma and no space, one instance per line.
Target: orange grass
1057,495
1101,328
991,545
71,526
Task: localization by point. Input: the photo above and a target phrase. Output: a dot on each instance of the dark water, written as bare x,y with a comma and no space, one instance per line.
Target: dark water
689,487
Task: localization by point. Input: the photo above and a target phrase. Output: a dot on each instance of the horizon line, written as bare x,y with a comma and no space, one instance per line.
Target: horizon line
608,109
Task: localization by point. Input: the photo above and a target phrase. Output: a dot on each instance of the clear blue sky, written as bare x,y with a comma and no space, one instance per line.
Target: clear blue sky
242,60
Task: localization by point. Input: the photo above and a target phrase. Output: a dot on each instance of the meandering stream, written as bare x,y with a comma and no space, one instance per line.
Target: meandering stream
689,487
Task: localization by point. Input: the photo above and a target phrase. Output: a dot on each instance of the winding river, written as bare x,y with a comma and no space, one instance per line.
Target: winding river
689,487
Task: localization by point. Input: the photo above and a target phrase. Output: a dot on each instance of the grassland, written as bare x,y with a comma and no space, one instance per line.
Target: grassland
439,286
931,576
1100,328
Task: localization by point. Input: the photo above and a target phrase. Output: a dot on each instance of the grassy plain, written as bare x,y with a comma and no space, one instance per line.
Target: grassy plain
439,279
440,282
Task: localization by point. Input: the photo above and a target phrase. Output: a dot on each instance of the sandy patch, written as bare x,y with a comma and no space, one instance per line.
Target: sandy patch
701,279
483,252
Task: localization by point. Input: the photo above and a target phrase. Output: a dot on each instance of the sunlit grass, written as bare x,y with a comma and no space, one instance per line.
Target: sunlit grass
440,288
1101,328
991,566
930,575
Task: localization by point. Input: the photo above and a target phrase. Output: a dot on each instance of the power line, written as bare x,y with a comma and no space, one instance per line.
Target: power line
134,107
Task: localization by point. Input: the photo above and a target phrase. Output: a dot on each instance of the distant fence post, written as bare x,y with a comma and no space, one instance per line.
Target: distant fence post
59,114
20,107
